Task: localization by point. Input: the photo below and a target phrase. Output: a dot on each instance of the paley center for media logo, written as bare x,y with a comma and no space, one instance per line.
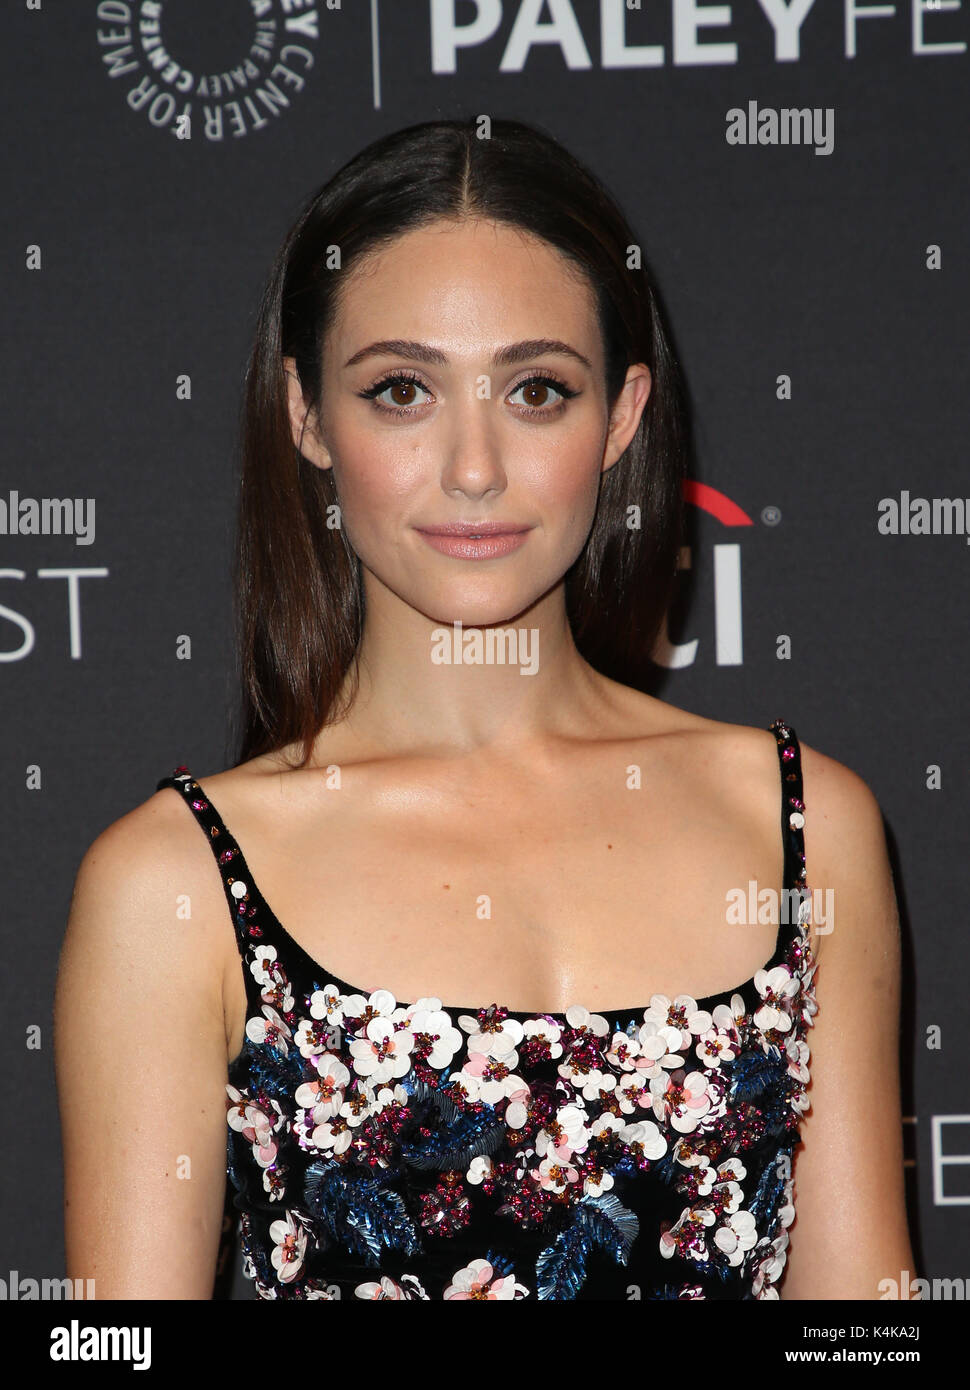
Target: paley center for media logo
225,78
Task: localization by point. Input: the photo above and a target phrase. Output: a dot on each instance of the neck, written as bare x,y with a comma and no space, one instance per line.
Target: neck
447,688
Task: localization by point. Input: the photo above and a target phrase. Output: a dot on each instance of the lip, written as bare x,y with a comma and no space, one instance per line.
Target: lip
483,540
474,528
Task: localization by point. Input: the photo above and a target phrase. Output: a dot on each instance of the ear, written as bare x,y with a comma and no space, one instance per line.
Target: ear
303,425
627,411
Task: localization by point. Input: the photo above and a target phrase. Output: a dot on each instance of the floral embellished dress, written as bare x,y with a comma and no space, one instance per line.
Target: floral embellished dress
383,1150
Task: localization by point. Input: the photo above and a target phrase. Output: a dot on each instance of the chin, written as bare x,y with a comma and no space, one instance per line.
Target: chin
478,611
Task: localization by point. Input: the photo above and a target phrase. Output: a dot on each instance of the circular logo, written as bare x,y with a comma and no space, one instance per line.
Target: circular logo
212,72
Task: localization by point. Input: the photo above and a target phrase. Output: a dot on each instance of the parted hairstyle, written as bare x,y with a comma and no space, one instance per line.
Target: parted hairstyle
299,602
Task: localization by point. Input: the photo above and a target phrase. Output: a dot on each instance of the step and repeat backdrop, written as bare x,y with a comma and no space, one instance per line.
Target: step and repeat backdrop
796,171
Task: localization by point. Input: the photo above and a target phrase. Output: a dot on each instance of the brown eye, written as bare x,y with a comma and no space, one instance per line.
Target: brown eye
539,398
399,384
535,393
400,393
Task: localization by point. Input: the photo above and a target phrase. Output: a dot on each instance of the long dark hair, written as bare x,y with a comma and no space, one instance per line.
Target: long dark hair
298,592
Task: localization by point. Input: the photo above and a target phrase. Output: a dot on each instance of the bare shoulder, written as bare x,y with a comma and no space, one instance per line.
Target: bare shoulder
845,841
844,834
146,845
851,873
849,1172
736,761
840,807
841,810
132,879
144,949
846,852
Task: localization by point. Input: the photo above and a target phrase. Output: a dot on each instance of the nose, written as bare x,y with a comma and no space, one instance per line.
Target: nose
472,465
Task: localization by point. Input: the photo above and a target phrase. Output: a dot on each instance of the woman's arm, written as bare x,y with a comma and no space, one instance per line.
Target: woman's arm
140,1057
850,1230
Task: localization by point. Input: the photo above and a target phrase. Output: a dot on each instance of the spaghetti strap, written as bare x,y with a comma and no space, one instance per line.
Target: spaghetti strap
227,853
792,817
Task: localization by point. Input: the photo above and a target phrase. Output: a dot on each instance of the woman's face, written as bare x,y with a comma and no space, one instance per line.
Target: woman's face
487,425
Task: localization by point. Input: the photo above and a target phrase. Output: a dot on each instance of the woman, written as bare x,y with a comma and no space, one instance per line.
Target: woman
460,515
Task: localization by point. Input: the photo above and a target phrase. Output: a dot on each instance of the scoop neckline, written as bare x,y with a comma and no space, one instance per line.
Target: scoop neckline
616,1019
344,987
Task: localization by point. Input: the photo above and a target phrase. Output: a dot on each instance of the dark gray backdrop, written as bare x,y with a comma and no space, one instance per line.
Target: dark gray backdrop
773,261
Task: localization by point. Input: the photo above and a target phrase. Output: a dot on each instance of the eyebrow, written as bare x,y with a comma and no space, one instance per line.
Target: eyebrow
508,356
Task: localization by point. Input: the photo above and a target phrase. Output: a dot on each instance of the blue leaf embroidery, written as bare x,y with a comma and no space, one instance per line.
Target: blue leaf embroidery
766,1200
359,1212
456,1137
601,1221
